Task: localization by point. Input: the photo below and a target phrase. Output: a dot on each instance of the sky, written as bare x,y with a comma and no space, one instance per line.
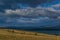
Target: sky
30,13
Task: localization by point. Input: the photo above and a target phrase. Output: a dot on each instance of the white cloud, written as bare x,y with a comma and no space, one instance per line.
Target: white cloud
43,14
19,11
55,8
32,20
27,12
56,5
58,17
51,9
35,12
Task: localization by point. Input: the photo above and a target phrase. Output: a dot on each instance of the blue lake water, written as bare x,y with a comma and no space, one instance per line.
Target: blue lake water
54,32
48,31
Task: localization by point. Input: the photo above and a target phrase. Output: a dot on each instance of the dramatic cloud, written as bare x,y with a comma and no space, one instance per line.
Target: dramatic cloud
29,2
33,12
42,21
14,4
29,12
57,5
55,8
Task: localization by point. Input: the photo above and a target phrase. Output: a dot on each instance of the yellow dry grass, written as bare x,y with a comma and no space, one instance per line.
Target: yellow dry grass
6,34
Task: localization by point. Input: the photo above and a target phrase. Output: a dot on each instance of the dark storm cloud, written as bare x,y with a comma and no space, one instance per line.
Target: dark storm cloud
33,3
12,4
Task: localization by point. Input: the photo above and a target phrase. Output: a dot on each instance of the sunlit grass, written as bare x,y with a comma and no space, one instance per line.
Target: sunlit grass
6,34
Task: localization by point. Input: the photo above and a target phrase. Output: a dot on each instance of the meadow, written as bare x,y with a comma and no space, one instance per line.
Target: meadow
10,34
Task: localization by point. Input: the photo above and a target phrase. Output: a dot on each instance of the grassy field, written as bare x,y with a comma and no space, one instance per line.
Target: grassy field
6,34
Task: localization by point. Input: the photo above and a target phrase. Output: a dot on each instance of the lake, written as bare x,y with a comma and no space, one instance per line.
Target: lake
39,30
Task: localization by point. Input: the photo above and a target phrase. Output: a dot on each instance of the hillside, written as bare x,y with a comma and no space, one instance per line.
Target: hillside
6,34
